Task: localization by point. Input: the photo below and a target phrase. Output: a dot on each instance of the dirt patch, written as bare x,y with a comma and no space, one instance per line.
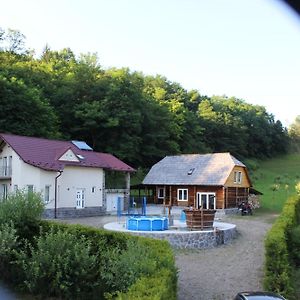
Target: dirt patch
220,273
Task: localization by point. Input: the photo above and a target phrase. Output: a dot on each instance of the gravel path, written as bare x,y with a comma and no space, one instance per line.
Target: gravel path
220,273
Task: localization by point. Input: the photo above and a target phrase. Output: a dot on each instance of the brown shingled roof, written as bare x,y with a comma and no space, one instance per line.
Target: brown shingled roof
45,154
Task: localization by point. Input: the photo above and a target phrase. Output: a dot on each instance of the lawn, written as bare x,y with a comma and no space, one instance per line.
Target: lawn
276,179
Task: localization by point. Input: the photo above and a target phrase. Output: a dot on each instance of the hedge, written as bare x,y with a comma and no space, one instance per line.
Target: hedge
278,264
161,284
52,259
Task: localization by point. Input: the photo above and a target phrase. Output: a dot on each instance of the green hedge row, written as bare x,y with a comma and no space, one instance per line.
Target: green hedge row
278,264
154,260
52,259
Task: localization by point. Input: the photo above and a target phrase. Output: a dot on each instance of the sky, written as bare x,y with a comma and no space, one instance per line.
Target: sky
249,49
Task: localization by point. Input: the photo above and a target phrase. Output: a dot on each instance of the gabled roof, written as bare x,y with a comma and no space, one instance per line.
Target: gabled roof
193,169
45,154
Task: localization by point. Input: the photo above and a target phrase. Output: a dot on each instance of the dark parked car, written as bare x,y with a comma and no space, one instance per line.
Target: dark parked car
258,296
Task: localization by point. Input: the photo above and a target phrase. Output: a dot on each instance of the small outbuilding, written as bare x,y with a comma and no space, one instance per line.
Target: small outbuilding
209,181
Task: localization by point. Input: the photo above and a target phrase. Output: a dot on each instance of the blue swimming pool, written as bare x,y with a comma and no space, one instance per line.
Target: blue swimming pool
147,223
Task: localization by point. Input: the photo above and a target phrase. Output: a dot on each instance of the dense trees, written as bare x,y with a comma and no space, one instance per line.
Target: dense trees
136,117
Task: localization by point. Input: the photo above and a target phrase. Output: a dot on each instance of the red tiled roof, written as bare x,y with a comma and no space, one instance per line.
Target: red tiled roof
44,154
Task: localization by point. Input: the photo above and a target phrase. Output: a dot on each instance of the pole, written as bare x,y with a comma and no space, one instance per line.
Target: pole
55,194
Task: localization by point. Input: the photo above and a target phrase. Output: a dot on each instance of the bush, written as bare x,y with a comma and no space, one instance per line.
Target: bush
140,260
278,271
8,243
24,210
61,265
295,244
79,262
161,286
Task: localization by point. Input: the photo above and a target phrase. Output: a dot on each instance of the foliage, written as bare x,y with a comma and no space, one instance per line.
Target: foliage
138,118
8,243
60,265
294,133
161,286
278,271
24,210
123,259
121,268
295,244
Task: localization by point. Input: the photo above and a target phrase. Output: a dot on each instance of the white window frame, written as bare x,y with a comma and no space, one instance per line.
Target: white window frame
159,196
238,177
47,194
207,194
181,194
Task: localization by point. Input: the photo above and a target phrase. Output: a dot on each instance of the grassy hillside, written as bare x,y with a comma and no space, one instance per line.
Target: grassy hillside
276,179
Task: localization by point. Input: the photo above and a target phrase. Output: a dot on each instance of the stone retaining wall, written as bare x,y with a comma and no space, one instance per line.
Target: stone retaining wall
69,212
182,239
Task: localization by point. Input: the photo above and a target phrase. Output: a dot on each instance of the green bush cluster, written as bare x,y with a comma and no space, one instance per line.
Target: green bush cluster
59,264
127,265
278,265
52,259
24,210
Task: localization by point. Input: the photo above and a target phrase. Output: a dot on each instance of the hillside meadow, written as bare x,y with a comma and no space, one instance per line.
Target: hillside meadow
276,179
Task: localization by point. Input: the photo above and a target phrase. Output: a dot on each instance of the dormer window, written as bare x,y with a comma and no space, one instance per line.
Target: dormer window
190,172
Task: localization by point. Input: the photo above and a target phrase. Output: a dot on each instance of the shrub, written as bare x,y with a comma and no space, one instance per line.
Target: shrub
8,243
150,261
278,271
160,286
25,211
61,265
295,244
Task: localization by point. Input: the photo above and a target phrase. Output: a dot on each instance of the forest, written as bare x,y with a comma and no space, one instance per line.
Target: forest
139,118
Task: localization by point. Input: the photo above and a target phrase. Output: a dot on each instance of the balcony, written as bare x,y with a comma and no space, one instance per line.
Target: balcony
5,172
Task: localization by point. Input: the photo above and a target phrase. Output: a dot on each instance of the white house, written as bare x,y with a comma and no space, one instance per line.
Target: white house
69,175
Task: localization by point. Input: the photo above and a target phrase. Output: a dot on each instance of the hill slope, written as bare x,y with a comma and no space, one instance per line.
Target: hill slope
276,179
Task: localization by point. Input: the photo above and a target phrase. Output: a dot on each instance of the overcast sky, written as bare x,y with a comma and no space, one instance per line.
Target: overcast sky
249,49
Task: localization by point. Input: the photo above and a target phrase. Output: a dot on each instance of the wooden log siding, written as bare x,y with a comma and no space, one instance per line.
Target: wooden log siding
235,195
192,195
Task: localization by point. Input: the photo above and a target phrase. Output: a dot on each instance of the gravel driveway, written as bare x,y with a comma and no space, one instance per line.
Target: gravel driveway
220,273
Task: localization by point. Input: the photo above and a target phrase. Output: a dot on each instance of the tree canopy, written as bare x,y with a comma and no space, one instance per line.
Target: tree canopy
136,117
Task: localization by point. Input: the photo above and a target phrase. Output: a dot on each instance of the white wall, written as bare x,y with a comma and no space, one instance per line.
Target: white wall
72,178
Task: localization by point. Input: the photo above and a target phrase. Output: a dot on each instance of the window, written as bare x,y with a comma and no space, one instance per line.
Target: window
182,194
47,194
93,189
29,188
237,177
5,173
3,192
161,193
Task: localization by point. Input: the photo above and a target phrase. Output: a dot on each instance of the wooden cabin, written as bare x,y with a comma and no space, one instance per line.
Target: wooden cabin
214,181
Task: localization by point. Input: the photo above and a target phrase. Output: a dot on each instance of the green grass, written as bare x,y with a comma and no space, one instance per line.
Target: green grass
276,179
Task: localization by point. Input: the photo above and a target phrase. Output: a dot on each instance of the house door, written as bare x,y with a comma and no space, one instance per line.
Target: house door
206,200
80,198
